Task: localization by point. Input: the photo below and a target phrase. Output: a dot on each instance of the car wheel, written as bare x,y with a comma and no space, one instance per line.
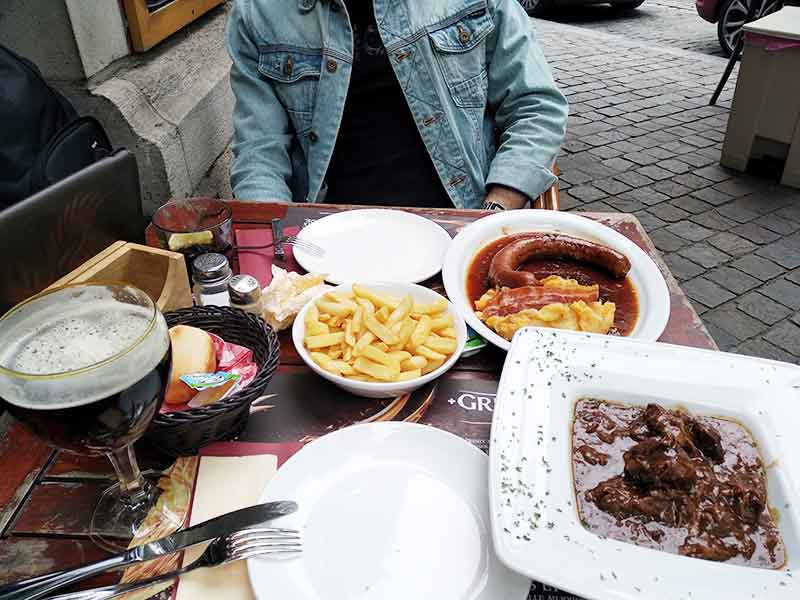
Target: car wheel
536,8
623,6
733,16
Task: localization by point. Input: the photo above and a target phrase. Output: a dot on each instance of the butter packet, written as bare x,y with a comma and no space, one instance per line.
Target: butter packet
204,381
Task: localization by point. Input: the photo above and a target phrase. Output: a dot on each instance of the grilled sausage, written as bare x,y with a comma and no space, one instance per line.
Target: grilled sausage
503,269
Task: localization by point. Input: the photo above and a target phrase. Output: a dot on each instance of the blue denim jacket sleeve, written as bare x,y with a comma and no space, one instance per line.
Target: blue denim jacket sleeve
530,112
261,168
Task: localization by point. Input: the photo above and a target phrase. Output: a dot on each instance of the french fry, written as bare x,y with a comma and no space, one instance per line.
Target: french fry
335,308
408,327
396,327
323,341
437,306
402,311
430,354
449,332
400,355
382,314
342,298
379,356
442,322
373,369
366,306
334,353
421,332
317,328
432,366
415,362
381,346
335,322
347,355
357,320
312,314
365,340
379,329
349,336
324,318
408,375
376,299
361,377
442,345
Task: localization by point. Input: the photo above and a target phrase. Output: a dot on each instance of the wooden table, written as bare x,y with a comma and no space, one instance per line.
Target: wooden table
46,497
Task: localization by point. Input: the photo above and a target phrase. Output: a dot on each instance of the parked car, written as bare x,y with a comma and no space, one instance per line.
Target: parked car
536,8
730,17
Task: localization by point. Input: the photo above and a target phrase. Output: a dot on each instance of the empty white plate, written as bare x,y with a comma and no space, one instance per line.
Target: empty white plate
375,245
387,511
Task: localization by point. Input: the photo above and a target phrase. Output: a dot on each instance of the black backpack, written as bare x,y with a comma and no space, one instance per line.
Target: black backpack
42,138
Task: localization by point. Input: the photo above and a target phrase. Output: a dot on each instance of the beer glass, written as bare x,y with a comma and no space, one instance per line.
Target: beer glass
85,368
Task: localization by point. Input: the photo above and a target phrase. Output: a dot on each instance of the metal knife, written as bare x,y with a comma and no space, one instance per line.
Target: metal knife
38,587
277,239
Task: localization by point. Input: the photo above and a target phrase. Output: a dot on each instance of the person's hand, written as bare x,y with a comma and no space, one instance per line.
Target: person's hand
504,198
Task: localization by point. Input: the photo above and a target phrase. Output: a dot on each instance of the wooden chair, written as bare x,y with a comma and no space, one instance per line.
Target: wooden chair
551,199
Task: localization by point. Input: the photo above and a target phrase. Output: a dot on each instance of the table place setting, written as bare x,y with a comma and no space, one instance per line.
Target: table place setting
338,433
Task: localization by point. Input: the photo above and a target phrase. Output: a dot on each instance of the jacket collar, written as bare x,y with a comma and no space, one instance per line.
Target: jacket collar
306,5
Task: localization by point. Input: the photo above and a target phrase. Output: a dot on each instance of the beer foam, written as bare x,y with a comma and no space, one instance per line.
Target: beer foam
61,339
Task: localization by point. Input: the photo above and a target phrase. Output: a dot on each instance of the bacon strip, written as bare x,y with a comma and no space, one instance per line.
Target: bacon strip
512,300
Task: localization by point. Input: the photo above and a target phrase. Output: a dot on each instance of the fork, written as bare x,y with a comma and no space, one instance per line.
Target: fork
247,543
292,240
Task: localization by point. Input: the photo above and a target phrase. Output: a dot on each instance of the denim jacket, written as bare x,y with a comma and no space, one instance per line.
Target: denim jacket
476,82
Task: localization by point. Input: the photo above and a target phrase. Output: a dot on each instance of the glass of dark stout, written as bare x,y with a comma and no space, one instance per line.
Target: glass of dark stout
85,368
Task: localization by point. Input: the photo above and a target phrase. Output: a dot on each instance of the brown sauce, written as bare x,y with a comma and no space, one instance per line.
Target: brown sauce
619,291
664,479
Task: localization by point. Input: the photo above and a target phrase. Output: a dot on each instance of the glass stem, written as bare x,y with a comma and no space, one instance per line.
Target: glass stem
133,486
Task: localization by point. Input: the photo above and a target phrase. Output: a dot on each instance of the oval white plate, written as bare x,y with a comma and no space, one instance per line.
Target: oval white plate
387,511
646,277
375,245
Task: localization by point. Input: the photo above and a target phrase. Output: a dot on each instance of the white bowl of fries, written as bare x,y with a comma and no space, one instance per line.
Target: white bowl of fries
379,340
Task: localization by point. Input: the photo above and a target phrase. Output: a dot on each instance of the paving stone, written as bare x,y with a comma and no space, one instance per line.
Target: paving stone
704,255
655,172
778,225
668,212
575,176
731,244
732,279
713,220
785,335
605,152
625,203
725,341
575,145
666,241
659,151
734,321
758,267
790,212
755,233
649,221
737,213
697,160
682,268
568,202
633,179
671,188
762,348
706,292
690,231
794,276
611,186
596,206
714,197
641,158
690,204
763,308
674,165
714,173
785,252
618,165
783,291
692,181
587,193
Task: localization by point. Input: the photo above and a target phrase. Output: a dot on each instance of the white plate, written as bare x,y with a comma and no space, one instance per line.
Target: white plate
387,511
645,275
545,373
375,245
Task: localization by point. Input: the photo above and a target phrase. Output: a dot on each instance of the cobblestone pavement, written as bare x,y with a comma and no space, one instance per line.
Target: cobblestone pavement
672,23
642,139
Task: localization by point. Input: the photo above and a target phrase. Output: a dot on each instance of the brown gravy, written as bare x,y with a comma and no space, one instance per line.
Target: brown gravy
619,291
689,485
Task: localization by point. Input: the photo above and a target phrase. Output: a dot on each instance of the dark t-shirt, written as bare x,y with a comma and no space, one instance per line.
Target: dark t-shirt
379,157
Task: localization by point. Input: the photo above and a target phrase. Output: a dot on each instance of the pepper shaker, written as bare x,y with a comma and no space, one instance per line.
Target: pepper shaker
245,293
211,274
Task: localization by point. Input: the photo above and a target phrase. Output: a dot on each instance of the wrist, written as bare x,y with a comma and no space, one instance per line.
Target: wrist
505,198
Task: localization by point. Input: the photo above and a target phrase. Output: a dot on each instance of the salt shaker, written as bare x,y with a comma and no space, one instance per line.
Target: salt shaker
245,293
211,274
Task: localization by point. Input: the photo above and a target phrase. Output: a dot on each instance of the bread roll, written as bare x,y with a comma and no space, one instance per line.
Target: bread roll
192,352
